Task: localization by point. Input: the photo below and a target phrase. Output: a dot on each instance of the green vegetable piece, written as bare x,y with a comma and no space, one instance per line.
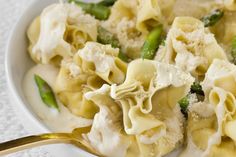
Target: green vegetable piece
46,92
212,18
184,103
152,43
197,88
233,51
106,37
123,57
107,2
100,12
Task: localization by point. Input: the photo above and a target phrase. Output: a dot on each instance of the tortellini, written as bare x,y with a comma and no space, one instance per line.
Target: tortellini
190,46
123,9
59,32
220,74
148,99
149,15
90,68
214,134
122,22
106,132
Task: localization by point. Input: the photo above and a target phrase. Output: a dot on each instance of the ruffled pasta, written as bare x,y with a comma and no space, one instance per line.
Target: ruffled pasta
91,67
103,60
214,134
122,22
123,9
149,15
190,46
151,117
220,74
149,100
59,32
107,125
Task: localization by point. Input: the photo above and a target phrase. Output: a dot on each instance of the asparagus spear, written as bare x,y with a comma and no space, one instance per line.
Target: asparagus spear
107,2
99,11
197,88
184,103
152,43
123,57
46,92
233,51
212,18
106,37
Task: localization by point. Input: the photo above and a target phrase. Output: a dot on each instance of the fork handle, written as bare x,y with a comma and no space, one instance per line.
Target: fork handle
33,141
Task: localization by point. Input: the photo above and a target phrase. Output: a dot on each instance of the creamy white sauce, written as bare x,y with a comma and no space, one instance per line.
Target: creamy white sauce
106,137
62,121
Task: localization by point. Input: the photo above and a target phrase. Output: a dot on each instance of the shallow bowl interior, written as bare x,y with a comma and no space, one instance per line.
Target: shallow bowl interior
18,63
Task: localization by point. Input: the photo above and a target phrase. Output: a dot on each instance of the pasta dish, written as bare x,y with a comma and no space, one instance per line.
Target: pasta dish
149,77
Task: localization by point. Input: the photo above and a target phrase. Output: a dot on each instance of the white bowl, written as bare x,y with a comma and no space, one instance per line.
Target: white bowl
18,63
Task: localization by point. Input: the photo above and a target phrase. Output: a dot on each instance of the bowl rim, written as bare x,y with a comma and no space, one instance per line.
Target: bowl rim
19,104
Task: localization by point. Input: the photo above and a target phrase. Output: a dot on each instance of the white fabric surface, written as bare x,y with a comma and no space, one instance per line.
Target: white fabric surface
10,126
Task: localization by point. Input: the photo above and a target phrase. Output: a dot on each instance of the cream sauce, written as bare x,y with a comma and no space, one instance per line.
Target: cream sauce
62,121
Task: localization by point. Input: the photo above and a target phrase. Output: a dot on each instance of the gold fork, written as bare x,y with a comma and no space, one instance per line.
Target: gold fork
74,138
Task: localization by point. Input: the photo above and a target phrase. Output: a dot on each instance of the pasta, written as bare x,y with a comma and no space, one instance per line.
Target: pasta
149,15
220,74
85,73
59,32
182,101
217,127
190,46
136,96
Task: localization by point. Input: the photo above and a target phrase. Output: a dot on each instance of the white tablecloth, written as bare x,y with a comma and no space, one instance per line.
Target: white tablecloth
10,126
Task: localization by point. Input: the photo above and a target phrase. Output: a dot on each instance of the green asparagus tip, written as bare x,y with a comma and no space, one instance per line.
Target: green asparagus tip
184,103
152,43
197,88
107,2
123,57
99,11
46,92
106,37
212,18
